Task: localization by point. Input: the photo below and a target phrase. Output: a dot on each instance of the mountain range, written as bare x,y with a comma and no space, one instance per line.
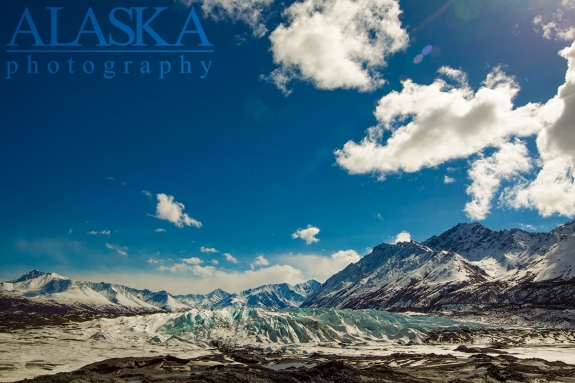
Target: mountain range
468,265
51,292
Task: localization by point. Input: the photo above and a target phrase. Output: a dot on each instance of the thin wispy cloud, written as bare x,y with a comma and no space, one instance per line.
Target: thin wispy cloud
230,258
250,12
122,250
103,232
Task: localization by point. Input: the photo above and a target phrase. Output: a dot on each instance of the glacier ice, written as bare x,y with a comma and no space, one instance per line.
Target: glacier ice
302,325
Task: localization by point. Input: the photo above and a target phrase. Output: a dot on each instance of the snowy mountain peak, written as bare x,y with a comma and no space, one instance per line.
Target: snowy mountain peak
30,275
467,264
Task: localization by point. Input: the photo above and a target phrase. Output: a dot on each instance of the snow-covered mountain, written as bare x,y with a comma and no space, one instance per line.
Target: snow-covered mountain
276,296
52,289
465,266
204,301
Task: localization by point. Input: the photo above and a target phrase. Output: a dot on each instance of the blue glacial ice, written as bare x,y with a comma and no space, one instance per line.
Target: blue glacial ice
303,325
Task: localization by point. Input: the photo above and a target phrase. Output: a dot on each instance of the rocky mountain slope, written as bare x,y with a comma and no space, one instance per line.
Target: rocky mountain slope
466,266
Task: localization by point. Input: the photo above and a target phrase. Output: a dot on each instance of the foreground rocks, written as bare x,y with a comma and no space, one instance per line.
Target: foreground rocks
241,365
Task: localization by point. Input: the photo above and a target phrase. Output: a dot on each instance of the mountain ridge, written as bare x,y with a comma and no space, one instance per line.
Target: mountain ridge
464,266
37,288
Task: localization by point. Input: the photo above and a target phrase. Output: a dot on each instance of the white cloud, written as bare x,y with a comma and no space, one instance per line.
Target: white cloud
559,28
215,262
320,267
103,232
160,230
427,125
528,227
230,258
147,194
186,279
119,249
250,12
432,124
448,180
200,271
192,260
208,250
172,211
337,43
486,175
308,235
260,261
154,261
404,236
553,189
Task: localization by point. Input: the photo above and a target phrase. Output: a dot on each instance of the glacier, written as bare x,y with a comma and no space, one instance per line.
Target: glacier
302,326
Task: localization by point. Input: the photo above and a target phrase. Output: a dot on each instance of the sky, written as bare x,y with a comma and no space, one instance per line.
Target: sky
193,145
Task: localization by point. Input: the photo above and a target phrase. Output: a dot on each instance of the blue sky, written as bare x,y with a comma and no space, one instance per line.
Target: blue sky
321,129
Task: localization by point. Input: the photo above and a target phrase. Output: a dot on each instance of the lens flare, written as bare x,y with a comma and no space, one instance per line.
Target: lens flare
427,50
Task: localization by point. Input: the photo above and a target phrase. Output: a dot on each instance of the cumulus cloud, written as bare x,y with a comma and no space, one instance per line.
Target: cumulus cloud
320,267
337,43
432,124
103,232
428,125
486,175
192,260
200,271
160,230
250,12
172,211
448,180
259,261
147,194
230,258
119,249
404,236
208,250
553,189
308,235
